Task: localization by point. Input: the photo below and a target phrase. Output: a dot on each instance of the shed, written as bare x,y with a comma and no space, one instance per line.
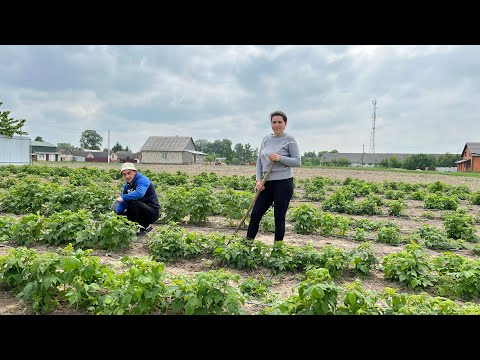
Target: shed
15,150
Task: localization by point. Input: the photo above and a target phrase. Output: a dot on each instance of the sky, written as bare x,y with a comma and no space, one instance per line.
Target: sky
427,96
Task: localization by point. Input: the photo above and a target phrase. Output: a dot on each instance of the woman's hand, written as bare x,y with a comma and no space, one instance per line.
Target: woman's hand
259,185
119,199
274,157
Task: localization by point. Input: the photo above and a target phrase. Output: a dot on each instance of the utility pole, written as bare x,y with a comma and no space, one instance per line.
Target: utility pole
108,161
363,152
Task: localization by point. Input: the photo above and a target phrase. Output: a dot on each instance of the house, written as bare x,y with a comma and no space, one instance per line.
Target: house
171,150
470,158
126,156
85,155
75,155
44,151
15,150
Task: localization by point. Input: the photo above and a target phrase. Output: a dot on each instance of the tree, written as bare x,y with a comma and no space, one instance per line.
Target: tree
395,162
223,148
448,160
38,138
65,146
244,153
117,147
127,149
204,145
309,154
419,161
90,140
10,126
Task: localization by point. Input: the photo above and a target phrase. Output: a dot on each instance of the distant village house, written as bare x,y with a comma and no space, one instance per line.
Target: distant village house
470,158
171,150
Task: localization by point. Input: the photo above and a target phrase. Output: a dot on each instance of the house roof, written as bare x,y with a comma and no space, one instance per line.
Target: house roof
195,152
474,148
46,152
43,143
166,143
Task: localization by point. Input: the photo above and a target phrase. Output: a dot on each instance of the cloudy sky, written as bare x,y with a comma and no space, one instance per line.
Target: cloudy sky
428,97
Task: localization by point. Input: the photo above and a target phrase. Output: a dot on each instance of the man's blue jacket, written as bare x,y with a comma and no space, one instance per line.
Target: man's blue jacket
141,188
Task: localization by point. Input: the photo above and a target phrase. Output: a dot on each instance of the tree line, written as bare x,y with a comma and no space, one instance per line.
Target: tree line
411,162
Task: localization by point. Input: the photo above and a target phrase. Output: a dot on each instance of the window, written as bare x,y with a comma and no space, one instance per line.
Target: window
164,155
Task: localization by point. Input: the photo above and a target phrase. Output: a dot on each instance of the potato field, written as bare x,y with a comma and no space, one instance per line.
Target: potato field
358,241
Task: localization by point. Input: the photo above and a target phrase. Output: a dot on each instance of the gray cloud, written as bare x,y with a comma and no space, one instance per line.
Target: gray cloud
426,95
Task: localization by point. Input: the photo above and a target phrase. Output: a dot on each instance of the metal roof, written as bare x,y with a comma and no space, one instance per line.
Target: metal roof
166,143
474,148
42,143
46,152
195,152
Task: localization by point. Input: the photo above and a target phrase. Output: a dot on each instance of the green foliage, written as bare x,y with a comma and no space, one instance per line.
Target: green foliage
314,188
137,291
207,293
305,218
363,258
28,229
435,238
90,139
171,242
6,226
267,224
67,226
418,304
359,301
174,204
10,126
395,207
83,274
457,276
440,202
255,288
460,226
240,255
448,160
475,198
200,203
419,161
389,235
359,234
233,203
339,201
410,267
114,232
317,295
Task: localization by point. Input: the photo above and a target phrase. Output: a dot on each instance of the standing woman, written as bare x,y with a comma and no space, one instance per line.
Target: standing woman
282,149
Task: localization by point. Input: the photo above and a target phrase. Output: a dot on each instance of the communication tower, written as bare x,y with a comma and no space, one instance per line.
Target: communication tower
371,149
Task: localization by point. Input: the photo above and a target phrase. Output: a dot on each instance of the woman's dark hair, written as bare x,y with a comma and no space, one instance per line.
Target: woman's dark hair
278,112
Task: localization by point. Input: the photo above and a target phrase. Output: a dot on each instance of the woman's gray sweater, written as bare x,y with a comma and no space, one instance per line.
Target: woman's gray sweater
284,145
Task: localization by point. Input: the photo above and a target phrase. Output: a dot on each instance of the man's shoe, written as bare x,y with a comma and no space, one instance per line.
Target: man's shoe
148,229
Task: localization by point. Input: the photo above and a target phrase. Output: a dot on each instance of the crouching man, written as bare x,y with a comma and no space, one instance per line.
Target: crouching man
139,200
